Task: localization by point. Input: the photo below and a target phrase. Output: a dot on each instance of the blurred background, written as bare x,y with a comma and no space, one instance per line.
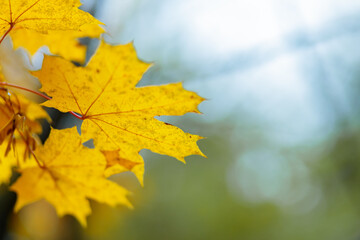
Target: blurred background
282,81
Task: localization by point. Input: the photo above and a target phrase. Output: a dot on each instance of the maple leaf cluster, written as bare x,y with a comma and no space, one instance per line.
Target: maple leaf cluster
115,114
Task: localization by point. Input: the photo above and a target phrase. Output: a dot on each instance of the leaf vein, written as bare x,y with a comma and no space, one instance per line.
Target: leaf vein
137,134
103,89
105,133
71,91
137,110
26,10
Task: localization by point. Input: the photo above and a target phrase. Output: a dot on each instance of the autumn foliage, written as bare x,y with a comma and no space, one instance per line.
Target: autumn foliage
115,114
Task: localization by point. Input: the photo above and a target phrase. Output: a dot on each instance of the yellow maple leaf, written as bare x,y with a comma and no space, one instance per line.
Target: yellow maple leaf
63,43
42,15
117,114
71,174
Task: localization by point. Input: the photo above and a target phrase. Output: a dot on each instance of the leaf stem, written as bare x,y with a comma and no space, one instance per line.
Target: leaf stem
25,89
7,32
39,94
78,116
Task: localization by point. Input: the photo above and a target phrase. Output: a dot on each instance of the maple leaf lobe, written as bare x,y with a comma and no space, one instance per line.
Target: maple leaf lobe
71,175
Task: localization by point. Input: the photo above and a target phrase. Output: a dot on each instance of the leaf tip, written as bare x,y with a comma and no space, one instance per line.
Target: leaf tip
182,159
